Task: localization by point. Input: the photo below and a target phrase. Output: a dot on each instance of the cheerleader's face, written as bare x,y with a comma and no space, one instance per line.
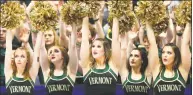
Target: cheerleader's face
49,37
168,56
20,58
55,54
2,35
97,49
135,59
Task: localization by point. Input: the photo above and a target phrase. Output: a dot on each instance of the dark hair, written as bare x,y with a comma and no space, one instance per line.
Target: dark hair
144,58
177,58
107,51
65,61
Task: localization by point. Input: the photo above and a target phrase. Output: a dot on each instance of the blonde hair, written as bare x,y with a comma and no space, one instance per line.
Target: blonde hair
56,39
107,50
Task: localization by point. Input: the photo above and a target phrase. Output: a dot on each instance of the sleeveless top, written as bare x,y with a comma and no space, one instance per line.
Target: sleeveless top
136,87
169,86
100,81
19,86
59,85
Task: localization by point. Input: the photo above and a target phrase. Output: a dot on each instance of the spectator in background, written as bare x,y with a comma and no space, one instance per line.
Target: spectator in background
2,55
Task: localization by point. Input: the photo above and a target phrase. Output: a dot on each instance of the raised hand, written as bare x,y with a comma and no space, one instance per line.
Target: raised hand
24,33
179,29
132,35
29,7
102,6
124,40
167,2
101,11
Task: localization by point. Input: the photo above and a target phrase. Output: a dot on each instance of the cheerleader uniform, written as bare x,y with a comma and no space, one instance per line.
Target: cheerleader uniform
19,86
59,85
100,81
169,86
136,87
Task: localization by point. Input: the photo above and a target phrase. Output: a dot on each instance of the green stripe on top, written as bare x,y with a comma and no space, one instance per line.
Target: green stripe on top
125,82
101,70
18,79
157,78
169,79
47,81
113,73
22,79
181,79
7,84
70,80
87,74
59,77
131,80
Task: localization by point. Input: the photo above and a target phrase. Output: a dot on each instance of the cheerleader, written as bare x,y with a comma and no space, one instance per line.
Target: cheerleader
100,67
170,73
134,71
20,71
59,68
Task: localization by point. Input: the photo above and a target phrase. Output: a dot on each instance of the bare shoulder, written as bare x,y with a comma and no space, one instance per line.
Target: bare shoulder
85,68
113,67
8,76
149,78
183,72
71,75
46,74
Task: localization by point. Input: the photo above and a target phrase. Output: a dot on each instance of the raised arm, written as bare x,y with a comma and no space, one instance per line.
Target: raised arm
132,36
178,36
171,31
35,65
141,35
8,55
44,63
123,67
116,55
99,28
73,63
153,58
137,23
29,7
178,41
172,26
126,48
185,52
63,38
84,51
169,36
101,11
24,33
